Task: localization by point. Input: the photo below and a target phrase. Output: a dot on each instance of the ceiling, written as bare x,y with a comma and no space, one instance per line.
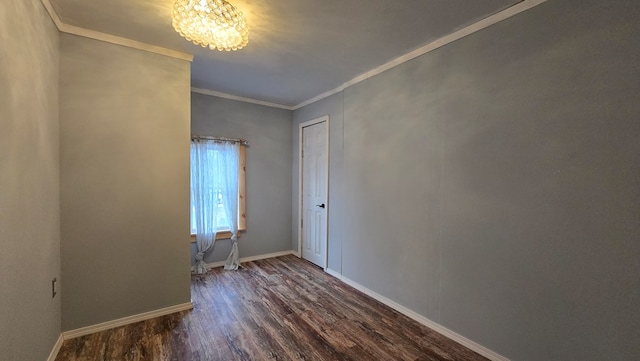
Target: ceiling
297,49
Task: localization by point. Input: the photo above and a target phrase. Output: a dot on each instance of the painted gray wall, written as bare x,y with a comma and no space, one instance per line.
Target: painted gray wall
29,181
268,182
124,154
492,185
333,107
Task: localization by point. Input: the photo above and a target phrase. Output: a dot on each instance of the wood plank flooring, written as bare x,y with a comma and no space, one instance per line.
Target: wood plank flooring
281,308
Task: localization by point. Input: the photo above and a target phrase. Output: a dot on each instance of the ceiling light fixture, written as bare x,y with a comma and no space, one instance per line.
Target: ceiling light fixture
213,23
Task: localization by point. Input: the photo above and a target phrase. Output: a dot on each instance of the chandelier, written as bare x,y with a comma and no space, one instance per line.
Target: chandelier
213,23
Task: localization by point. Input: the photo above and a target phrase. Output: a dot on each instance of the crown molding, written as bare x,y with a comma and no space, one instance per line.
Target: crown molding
52,14
96,35
239,98
447,39
129,43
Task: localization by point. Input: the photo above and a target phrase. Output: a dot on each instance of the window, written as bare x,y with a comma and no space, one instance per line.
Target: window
216,192
221,216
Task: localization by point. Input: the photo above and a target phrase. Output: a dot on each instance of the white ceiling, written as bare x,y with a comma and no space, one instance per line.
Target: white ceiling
297,49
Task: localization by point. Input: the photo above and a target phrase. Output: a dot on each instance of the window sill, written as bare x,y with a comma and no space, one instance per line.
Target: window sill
219,235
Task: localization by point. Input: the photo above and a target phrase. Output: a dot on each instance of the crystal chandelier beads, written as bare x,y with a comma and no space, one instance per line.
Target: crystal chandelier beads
213,23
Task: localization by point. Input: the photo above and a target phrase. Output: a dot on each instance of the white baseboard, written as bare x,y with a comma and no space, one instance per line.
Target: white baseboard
66,335
333,273
56,349
491,355
187,306
250,258
265,256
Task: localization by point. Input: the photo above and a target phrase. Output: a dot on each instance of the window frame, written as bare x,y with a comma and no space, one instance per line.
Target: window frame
242,214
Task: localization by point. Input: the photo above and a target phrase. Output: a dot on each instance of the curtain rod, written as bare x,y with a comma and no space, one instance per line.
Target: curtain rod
234,140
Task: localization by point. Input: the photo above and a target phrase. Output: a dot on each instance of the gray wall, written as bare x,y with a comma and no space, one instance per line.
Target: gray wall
492,185
124,135
268,182
29,181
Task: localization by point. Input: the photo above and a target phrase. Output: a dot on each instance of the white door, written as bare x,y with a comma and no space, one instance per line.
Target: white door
314,192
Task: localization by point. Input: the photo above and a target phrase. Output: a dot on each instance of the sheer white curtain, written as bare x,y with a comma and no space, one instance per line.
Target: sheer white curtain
214,180
230,202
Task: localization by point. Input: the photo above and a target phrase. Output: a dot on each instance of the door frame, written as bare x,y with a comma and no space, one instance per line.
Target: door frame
301,126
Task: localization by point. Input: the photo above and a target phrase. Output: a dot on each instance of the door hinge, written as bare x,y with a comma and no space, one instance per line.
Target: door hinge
301,222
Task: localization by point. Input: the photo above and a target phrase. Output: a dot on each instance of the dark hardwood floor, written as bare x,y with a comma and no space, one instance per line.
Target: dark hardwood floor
282,308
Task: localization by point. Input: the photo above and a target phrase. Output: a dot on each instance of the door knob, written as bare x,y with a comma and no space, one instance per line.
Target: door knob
320,205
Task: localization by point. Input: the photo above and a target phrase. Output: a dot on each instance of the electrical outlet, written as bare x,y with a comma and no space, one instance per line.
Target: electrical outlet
53,287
